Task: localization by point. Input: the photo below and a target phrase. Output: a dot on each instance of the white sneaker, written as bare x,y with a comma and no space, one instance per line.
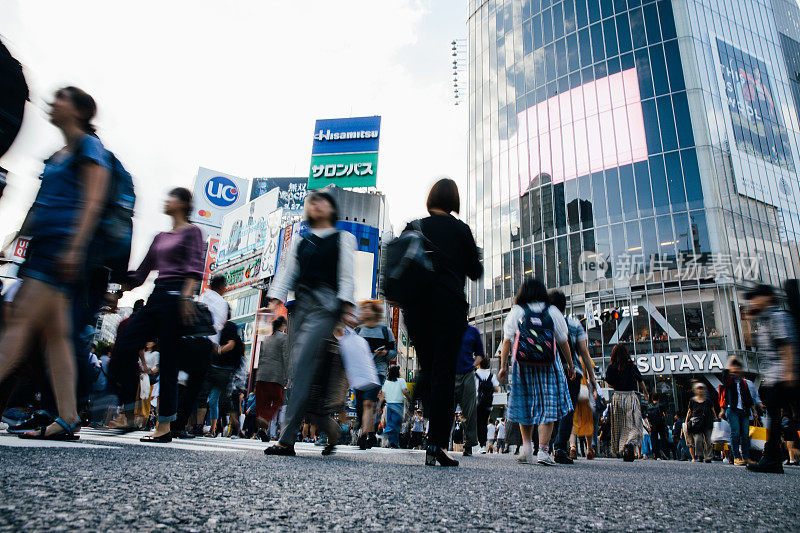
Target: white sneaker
3,426
483,450
543,458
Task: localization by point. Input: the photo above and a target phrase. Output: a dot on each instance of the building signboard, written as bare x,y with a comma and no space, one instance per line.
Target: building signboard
272,242
682,363
345,152
215,195
756,127
245,229
244,274
291,191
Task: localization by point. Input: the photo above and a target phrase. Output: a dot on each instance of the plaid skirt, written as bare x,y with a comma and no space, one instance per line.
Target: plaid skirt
626,420
538,394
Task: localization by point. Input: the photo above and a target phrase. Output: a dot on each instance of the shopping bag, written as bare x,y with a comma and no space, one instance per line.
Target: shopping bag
758,437
721,431
359,364
144,386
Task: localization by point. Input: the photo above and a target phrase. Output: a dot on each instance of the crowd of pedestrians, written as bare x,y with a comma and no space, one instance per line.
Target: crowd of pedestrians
176,367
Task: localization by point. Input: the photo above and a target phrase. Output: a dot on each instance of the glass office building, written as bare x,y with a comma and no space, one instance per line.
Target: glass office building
640,156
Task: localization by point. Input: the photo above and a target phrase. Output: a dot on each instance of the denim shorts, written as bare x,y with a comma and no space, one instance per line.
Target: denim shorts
42,262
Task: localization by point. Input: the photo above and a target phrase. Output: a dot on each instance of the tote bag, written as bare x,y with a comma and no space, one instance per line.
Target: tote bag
359,364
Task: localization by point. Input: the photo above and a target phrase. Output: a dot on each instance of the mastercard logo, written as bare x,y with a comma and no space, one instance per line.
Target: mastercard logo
204,213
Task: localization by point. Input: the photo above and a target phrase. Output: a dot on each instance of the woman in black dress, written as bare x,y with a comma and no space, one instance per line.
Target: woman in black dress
436,325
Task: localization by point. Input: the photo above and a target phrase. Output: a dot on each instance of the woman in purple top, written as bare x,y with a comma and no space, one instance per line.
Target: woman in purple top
177,255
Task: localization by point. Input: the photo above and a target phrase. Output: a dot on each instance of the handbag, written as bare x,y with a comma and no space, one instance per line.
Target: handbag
583,394
202,324
144,386
359,365
721,432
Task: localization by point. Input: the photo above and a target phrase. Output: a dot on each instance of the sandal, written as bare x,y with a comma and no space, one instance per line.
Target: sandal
67,435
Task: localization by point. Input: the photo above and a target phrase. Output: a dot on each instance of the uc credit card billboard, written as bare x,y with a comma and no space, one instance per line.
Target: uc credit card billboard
345,152
215,195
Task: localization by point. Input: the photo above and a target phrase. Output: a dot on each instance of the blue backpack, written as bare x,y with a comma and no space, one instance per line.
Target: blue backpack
535,343
111,245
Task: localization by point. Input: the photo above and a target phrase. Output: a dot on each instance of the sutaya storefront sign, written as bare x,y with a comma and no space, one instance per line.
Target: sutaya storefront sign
681,363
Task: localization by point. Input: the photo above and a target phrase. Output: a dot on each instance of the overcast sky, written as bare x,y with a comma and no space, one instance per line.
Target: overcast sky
236,87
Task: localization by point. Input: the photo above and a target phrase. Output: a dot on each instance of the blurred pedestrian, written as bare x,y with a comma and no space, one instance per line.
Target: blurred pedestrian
469,357
699,423
539,394
196,354
578,344
486,384
384,350
224,364
394,391
736,406
177,255
61,224
436,325
777,347
271,376
320,269
626,411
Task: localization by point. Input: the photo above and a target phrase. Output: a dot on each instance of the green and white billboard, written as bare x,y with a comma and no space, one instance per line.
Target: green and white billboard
345,153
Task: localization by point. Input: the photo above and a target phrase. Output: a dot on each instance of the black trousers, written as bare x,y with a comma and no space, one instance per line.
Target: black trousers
563,429
658,439
778,398
194,358
482,418
158,319
437,332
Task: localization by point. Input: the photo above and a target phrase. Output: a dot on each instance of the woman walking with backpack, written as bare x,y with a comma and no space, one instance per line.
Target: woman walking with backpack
626,411
539,393
436,324
61,223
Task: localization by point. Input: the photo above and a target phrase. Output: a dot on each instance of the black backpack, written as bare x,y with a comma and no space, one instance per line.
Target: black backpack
409,271
111,244
485,392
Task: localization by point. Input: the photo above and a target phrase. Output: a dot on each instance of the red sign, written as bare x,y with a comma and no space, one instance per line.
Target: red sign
21,248
211,263
395,326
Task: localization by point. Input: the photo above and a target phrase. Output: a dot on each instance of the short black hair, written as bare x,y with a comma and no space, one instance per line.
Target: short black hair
219,281
484,364
762,289
532,291
558,300
393,373
444,196
138,304
278,323
328,197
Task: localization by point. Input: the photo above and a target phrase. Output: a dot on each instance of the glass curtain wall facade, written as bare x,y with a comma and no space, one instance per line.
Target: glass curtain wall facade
638,155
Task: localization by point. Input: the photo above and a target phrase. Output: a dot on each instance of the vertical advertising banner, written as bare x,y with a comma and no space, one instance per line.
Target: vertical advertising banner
272,244
345,152
756,127
211,264
215,195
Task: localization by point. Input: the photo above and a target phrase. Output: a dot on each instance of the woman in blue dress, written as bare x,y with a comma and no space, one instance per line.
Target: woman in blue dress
60,224
539,395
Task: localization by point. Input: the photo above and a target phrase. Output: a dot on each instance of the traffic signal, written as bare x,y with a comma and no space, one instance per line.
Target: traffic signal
610,314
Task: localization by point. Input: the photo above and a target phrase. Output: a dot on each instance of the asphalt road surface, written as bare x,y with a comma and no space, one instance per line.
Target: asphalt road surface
108,483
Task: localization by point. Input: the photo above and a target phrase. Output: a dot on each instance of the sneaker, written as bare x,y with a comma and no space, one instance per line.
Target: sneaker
38,420
543,458
561,457
483,450
3,426
725,461
261,434
739,462
766,465
467,451
372,440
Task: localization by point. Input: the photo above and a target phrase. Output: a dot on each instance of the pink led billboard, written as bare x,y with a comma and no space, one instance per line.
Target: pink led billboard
596,126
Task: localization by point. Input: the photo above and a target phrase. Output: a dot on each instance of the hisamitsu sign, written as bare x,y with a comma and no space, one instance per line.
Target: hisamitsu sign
345,153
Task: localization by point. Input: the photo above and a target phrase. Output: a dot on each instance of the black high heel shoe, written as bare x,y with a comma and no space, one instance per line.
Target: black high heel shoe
435,453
